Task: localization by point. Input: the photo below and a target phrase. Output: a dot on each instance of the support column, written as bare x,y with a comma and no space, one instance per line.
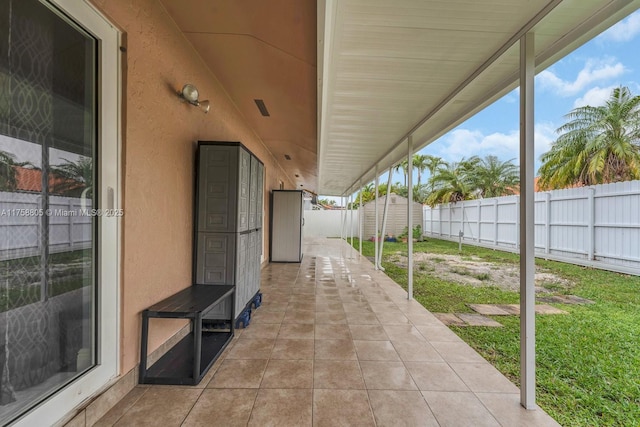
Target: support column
384,218
342,212
410,217
527,261
360,219
351,217
375,228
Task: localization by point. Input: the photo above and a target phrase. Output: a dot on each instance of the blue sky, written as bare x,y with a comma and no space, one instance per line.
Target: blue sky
585,77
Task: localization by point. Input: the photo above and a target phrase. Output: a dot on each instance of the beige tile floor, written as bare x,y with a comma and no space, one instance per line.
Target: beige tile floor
336,343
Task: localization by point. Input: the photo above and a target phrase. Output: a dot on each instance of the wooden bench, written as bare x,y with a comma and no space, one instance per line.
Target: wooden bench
190,359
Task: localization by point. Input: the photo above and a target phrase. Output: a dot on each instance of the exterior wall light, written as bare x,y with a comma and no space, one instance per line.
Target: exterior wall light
190,94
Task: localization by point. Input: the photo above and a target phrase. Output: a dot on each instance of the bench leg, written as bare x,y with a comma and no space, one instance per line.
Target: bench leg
142,375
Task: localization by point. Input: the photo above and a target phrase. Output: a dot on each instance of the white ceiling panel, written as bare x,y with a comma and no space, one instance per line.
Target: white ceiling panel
421,67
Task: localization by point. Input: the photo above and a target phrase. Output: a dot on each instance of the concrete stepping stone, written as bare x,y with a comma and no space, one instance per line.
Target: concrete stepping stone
513,309
478,320
450,319
566,299
488,309
548,309
540,309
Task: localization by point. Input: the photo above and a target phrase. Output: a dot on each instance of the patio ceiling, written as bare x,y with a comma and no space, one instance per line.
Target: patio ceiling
390,69
344,97
263,50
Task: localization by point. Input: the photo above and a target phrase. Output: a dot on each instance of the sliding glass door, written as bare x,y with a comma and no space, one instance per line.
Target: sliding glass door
49,231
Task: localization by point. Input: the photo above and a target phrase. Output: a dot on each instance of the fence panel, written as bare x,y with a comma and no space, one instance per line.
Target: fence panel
597,225
19,234
326,223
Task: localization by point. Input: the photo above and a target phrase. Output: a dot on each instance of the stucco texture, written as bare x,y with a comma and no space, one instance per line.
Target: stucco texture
159,140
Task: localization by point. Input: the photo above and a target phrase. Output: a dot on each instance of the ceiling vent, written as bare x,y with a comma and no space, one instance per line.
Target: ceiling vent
262,107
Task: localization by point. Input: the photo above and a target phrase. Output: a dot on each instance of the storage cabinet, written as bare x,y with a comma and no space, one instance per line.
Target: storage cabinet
228,229
286,226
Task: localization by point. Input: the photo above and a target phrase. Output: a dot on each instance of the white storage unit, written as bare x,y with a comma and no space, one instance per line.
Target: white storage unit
287,222
228,229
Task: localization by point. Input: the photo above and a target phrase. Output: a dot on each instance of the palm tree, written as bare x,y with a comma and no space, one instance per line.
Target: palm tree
452,183
404,165
432,163
76,176
420,163
8,171
495,178
597,145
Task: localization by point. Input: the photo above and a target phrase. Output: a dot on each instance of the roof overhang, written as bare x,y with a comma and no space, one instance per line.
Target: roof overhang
387,70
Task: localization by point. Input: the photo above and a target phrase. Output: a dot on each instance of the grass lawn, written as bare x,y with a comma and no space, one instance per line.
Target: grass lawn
588,362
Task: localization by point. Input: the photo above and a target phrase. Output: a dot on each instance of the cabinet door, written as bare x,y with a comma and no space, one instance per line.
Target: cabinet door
241,272
253,248
253,193
215,263
217,188
258,258
244,178
259,195
220,311
286,226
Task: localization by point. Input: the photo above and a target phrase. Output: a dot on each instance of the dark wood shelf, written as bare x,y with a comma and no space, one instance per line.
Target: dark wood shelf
176,366
190,359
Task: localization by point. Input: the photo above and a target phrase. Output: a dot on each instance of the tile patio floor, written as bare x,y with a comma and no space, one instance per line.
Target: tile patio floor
336,343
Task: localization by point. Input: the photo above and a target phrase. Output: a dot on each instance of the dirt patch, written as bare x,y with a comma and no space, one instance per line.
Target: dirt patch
470,270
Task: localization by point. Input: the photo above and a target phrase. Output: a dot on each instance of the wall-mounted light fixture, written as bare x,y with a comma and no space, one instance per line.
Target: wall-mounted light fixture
190,94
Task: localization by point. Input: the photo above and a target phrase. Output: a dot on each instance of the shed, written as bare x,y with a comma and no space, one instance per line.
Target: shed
396,216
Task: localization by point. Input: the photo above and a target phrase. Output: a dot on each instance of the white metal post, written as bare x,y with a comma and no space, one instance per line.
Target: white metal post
342,219
384,219
410,217
351,217
527,200
360,218
375,237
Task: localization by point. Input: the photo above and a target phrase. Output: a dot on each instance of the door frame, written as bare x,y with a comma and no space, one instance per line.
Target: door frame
58,406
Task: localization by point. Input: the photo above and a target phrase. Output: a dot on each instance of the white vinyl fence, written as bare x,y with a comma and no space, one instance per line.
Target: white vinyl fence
20,225
326,223
597,225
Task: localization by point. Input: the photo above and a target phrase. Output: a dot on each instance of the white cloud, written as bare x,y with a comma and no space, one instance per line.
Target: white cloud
466,143
594,70
594,97
624,30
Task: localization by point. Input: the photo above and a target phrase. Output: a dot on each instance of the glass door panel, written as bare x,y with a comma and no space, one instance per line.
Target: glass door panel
47,191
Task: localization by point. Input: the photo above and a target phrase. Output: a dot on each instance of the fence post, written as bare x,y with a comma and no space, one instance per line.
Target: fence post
450,219
517,221
431,219
440,220
461,217
495,222
72,213
547,222
479,217
592,219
